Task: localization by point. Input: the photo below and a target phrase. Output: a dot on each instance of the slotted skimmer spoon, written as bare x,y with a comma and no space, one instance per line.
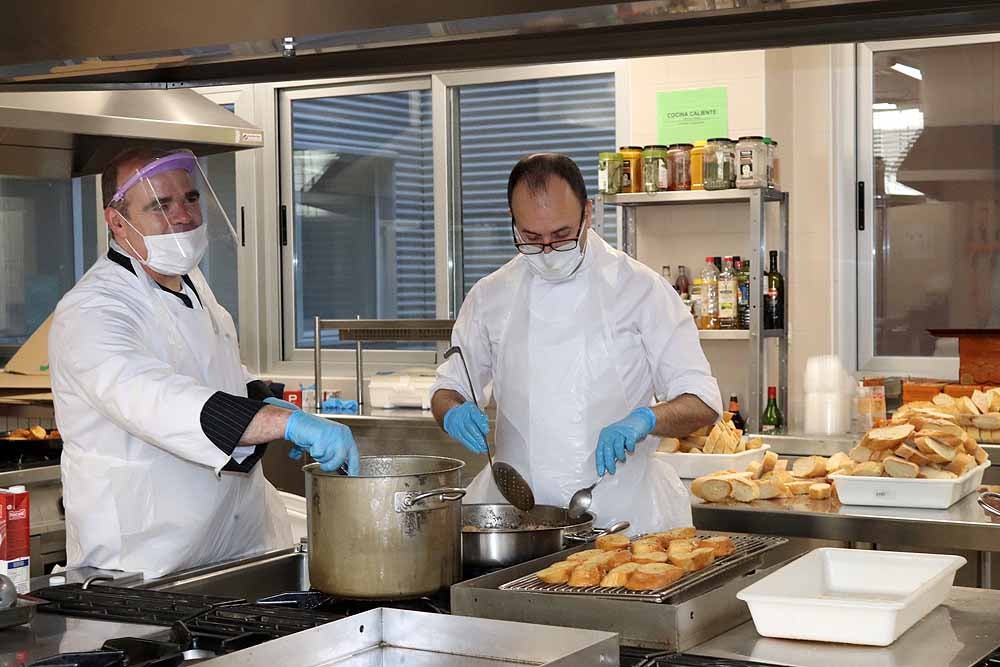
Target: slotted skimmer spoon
512,486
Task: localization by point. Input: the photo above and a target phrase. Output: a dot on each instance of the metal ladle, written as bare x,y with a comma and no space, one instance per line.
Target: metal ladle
509,481
580,502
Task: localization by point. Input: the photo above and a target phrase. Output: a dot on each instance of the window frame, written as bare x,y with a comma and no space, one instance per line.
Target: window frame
868,361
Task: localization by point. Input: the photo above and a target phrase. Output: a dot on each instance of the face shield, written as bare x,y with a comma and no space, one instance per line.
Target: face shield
169,203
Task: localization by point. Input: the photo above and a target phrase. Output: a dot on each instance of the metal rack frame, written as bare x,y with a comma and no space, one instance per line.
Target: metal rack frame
372,331
756,199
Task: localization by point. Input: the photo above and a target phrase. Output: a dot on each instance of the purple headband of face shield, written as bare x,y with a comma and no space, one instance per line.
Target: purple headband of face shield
180,159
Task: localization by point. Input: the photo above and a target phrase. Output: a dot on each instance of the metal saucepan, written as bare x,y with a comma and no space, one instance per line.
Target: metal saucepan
502,535
990,502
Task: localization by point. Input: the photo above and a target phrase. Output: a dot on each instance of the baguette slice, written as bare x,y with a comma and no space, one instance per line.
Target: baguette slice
646,545
756,467
652,576
936,451
962,464
943,400
988,422
888,437
554,575
838,461
772,488
745,490
587,574
694,560
585,555
949,439
669,445
966,406
678,547
653,557
683,533
904,451
981,400
711,489
720,544
619,576
981,456
609,560
860,453
780,467
820,491
771,459
39,432
612,542
800,487
930,472
755,443
897,467
810,466
869,469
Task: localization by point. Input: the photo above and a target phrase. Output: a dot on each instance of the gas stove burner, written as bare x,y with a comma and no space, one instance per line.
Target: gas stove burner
313,600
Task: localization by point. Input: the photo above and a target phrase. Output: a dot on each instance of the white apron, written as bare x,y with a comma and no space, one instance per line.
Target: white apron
557,385
152,510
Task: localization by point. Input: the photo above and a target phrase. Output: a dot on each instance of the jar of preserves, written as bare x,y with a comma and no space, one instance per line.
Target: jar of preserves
679,157
697,165
751,163
631,168
772,162
609,173
719,171
655,170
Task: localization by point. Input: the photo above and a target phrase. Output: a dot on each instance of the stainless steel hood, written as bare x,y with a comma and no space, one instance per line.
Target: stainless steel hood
59,134
225,41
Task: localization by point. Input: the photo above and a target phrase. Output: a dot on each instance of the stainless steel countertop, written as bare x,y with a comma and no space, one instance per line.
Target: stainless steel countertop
30,475
959,633
49,634
962,526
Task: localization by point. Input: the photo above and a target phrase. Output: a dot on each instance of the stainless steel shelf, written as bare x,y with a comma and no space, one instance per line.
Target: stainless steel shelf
724,334
691,197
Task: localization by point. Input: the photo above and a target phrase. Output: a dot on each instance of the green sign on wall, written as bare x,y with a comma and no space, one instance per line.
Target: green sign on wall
686,116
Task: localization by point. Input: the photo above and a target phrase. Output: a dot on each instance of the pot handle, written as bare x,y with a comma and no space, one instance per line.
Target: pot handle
407,502
598,532
987,506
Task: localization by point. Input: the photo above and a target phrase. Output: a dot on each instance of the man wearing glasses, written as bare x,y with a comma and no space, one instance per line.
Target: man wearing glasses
591,356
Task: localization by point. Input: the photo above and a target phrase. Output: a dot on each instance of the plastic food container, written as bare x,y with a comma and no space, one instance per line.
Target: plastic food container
850,596
751,163
698,165
655,170
632,168
609,173
934,494
718,169
409,388
679,157
690,466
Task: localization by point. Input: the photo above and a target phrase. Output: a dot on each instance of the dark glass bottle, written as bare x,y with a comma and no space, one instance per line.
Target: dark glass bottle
743,305
683,284
734,408
774,297
772,420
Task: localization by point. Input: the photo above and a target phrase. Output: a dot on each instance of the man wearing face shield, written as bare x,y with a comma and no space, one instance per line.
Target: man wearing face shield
591,356
162,425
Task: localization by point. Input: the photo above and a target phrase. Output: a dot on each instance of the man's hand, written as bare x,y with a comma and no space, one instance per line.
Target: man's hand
329,443
467,424
622,437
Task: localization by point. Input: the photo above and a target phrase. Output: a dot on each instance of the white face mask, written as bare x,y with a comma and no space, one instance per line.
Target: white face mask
173,254
558,266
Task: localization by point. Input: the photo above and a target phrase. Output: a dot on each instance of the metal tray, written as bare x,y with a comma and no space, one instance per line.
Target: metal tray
19,614
747,557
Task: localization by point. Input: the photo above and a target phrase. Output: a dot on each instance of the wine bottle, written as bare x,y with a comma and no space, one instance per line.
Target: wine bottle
774,298
734,408
772,420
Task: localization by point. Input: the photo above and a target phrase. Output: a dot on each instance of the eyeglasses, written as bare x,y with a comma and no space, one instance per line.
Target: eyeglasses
557,246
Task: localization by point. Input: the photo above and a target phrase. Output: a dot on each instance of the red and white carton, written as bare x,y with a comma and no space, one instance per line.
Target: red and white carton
15,537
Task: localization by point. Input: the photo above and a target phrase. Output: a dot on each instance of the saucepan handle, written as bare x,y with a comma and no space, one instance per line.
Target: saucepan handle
408,502
987,506
597,532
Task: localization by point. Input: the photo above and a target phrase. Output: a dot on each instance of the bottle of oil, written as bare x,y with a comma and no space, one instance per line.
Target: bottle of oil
709,295
743,301
728,295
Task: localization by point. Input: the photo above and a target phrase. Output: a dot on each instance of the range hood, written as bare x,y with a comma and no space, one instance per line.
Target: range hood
66,133
283,40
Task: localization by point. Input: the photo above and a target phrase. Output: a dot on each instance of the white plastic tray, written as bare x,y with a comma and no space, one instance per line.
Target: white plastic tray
850,596
937,494
690,466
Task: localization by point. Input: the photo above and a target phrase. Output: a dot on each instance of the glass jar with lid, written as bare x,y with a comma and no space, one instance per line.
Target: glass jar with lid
655,170
751,162
679,158
609,173
719,170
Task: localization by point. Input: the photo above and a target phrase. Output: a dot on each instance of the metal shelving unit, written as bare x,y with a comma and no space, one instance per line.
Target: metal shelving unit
756,201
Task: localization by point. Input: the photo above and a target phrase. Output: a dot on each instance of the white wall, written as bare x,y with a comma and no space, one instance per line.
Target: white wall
784,94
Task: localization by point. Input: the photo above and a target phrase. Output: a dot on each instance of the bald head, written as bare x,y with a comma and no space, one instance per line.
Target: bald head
125,164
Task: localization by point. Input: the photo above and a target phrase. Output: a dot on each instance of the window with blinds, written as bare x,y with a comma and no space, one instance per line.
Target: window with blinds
502,122
362,174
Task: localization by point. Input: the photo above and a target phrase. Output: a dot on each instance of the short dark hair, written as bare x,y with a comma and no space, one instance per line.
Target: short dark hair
109,177
535,171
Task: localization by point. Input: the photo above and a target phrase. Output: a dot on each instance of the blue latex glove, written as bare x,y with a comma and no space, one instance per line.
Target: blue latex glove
295,452
329,443
622,436
340,405
467,424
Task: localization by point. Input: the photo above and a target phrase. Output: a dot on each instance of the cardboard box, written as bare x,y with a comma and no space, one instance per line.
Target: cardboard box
28,369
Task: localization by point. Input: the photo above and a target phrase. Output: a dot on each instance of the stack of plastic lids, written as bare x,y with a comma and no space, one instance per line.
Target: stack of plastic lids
828,389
